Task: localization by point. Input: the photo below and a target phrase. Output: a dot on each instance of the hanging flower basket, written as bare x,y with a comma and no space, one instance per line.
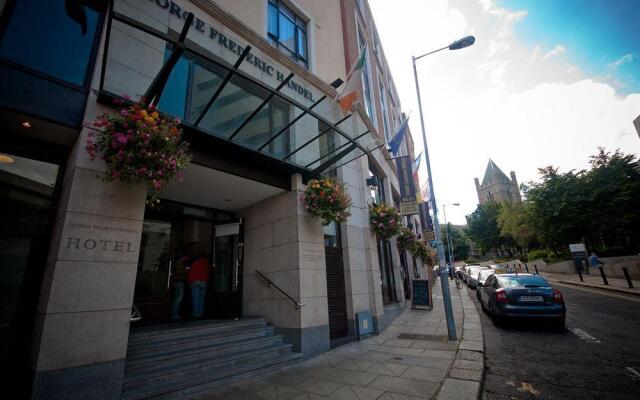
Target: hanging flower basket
406,239
327,200
420,251
139,145
385,220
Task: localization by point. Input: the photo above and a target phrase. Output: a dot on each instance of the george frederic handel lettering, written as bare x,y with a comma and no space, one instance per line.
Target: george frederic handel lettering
234,47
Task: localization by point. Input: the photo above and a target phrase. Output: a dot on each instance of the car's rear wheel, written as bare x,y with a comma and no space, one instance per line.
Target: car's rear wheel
495,318
558,324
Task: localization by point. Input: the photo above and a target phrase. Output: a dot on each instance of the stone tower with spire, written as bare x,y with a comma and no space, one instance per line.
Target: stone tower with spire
496,186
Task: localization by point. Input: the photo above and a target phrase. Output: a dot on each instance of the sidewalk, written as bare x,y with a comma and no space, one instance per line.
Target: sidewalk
411,359
594,280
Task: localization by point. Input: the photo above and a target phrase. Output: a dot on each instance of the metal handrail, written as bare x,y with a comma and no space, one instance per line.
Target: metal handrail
270,283
136,315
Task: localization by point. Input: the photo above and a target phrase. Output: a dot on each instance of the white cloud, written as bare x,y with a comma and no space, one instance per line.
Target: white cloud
499,98
627,58
556,51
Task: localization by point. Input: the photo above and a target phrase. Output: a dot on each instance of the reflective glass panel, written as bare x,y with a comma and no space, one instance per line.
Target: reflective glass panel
54,37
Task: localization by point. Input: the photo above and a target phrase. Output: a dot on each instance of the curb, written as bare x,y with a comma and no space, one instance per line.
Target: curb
603,287
464,379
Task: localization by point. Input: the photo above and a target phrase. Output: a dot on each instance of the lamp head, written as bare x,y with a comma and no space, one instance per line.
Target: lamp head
462,43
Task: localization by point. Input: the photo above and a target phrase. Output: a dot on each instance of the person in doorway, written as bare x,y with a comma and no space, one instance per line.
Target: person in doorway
594,261
198,277
183,261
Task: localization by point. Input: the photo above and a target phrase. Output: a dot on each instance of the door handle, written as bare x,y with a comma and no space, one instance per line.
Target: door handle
236,273
169,276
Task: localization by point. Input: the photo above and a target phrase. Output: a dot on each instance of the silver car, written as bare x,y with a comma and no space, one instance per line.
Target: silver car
472,276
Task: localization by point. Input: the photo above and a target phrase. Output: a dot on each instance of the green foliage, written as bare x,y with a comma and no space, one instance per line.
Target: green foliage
514,221
483,230
458,242
600,206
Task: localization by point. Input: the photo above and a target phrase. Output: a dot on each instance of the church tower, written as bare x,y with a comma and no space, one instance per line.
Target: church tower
496,186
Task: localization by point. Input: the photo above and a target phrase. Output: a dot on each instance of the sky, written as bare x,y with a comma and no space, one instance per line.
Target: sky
546,83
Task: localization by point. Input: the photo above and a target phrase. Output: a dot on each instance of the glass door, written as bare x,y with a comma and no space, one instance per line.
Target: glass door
27,189
226,297
153,280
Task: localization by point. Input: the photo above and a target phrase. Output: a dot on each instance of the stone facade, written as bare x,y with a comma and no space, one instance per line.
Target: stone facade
497,187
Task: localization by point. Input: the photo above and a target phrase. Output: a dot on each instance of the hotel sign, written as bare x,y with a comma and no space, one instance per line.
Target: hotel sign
233,47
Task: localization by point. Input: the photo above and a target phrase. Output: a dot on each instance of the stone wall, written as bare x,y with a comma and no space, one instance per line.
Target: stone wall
284,243
612,267
82,323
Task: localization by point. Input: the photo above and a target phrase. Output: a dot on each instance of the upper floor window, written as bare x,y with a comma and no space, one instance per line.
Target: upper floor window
360,4
377,190
366,79
53,37
383,106
376,46
288,32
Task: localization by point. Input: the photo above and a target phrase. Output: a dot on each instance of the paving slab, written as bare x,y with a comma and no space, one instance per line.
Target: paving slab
457,389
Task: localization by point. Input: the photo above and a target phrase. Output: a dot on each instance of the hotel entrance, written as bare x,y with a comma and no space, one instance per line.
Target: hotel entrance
174,238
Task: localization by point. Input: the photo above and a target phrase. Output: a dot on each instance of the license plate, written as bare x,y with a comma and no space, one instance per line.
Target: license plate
530,298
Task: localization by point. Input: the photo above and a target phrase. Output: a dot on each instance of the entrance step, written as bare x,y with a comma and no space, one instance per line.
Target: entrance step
177,360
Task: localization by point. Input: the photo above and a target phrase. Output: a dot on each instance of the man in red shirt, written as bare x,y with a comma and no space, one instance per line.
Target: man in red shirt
197,278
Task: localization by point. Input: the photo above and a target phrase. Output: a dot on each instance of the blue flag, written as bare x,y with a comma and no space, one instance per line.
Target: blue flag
416,162
396,141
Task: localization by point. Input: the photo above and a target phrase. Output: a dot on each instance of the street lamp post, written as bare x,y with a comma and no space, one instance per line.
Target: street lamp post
448,310
446,228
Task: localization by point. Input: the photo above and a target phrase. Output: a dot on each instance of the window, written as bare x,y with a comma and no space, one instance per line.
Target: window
377,192
383,107
189,89
53,37
288,32
376,46
360,4
366,79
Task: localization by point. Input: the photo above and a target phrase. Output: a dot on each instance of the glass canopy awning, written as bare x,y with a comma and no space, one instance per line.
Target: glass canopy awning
218,98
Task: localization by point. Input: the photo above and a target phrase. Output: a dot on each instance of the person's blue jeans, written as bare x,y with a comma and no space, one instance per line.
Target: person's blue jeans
178,294
198,289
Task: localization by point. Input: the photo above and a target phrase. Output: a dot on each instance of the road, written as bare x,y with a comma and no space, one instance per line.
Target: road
588,360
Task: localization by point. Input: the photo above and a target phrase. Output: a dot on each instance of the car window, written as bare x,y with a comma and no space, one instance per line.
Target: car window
523,281
484,274
496,284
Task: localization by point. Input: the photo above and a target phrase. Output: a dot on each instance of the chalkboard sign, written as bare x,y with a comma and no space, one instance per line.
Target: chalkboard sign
420,293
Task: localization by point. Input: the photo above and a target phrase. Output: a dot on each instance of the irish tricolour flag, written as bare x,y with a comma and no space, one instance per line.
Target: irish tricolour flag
350,91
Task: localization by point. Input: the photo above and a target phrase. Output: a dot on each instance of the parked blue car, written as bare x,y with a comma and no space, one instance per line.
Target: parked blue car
508,296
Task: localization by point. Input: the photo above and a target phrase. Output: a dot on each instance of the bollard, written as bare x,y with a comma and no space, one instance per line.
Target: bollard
604,277
580,274
525,267
536,267
626,275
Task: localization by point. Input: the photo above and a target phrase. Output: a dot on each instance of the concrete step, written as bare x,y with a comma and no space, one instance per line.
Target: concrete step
178,358
203,380
154,348
186,330
199,377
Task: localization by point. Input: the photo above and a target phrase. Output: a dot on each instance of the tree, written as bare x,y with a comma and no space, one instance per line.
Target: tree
481,226
458,241
514,221
600,206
